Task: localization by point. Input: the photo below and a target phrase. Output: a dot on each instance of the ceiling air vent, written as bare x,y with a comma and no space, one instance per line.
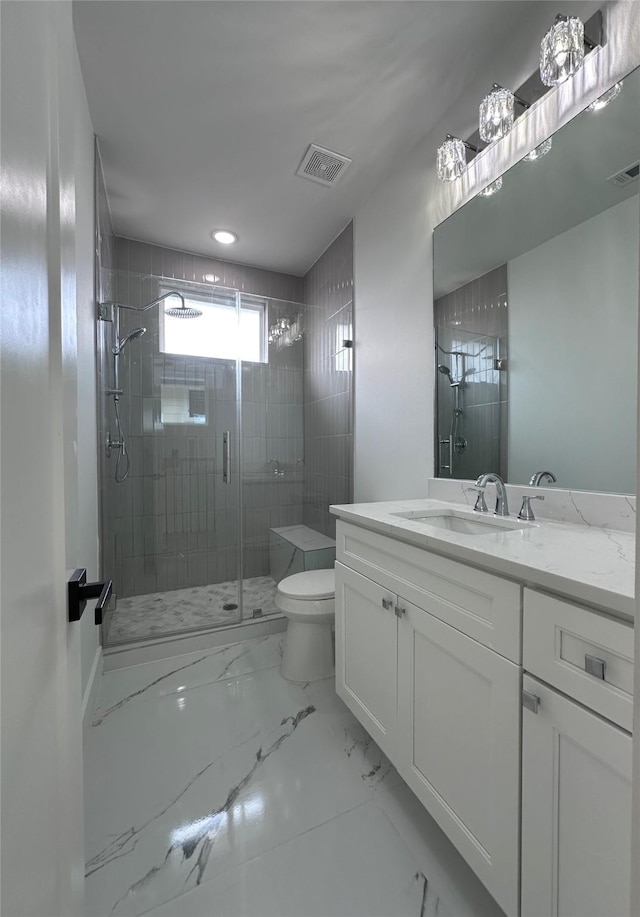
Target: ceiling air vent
322,165
625,176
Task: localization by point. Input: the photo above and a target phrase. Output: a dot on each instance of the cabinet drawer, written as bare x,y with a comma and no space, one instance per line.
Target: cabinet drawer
565,644
480,605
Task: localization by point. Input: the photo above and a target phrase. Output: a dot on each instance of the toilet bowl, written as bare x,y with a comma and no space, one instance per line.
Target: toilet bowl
308,601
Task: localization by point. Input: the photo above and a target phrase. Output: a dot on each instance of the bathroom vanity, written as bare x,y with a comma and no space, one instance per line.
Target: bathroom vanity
494,668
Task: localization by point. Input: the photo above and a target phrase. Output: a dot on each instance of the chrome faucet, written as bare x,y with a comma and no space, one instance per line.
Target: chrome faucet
502,506
540,476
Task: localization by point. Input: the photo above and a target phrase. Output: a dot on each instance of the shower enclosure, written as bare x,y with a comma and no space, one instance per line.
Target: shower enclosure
472,381
470,403
202,450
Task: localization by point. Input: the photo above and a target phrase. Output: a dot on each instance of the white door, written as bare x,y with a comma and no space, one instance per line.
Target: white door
366,653
459,730
42,837
576,810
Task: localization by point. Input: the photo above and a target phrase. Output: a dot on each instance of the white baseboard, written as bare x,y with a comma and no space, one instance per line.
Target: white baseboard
91,691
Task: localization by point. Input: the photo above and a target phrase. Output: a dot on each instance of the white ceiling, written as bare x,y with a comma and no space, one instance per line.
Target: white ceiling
204,110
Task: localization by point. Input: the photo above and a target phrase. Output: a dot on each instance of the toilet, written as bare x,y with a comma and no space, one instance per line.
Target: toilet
308,601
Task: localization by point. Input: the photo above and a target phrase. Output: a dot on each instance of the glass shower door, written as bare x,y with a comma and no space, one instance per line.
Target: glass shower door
171,528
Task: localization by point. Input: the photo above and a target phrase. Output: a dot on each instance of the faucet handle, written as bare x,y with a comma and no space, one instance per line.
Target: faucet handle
526,513
481,506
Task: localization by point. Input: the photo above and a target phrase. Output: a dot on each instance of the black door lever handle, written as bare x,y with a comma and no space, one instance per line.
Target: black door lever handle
79,591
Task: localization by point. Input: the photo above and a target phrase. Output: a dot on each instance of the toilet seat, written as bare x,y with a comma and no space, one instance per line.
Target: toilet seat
312,585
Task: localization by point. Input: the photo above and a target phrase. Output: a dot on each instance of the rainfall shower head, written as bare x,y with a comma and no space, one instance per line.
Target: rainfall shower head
136,333
183,311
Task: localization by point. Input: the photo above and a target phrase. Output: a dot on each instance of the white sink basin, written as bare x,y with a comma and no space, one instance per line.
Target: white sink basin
463,523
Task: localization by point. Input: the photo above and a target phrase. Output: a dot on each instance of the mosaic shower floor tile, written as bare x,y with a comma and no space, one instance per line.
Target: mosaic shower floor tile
159,614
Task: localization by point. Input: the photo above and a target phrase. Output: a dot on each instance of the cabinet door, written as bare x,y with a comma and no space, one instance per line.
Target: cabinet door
459,722
576,810
366,653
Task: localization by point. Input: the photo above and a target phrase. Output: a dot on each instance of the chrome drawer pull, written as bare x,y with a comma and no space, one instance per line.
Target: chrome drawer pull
530,701
594,666
399,611
387,604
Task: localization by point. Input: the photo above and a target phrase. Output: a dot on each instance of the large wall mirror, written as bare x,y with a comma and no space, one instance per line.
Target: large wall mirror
536,313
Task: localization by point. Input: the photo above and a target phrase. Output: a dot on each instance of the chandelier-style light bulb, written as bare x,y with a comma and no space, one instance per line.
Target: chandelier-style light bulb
541,150
496,114
452,160
606,97
562,50
491,189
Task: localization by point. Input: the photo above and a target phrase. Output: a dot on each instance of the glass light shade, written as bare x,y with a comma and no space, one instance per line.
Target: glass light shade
452,160
562,51
539,151
496,114
605,98
491,189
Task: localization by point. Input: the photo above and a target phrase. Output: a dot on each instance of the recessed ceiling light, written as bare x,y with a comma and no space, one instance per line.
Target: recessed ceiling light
224,236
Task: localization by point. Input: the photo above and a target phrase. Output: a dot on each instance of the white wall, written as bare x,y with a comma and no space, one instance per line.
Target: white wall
45,188
573,317
394,379
86,435
394,384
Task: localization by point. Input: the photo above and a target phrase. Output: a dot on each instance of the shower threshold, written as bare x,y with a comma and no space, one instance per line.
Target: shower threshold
187,611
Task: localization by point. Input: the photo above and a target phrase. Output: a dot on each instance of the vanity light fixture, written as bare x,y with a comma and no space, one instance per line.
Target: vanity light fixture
452,159
541,150
562,50
491,189
606,97
211,278
497,112
224,236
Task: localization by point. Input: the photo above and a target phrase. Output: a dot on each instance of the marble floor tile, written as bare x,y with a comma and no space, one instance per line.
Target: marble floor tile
177,611
215,787
179,673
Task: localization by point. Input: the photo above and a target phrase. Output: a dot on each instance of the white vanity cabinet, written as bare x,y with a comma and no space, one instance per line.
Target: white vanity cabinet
576,765
416,662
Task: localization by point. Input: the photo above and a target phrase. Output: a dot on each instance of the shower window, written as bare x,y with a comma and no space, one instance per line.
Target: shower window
218,333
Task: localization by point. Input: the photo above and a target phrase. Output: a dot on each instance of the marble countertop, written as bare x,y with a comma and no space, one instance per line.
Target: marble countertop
588,564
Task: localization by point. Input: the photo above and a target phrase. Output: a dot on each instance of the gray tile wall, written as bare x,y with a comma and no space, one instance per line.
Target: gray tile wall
328,428
173,523
144,258
473,320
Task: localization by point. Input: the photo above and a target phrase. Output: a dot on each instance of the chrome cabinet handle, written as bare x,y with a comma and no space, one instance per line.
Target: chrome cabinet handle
387,604
226,457
530,701
594,666
399,611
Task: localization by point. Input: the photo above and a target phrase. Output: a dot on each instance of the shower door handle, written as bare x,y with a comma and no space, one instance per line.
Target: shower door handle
226,457
447,442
